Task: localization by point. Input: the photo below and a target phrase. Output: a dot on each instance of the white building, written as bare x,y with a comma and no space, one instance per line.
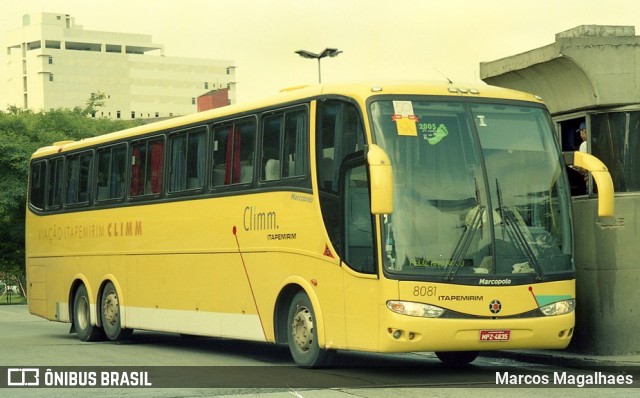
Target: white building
54,63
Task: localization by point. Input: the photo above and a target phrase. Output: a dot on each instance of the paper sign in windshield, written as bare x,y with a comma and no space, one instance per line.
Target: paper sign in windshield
405,119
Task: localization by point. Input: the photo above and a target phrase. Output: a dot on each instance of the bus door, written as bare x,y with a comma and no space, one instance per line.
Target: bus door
344,202
358,259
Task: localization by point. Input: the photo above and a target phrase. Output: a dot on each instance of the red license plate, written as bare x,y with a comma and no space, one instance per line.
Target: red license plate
495,335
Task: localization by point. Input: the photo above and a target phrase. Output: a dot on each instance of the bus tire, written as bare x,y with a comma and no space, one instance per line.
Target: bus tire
457,358
302,334
82,317
110,314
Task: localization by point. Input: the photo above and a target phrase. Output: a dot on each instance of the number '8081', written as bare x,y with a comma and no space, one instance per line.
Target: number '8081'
421,291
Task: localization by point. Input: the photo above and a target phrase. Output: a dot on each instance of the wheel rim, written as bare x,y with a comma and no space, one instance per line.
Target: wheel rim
110,308
83,313
302,329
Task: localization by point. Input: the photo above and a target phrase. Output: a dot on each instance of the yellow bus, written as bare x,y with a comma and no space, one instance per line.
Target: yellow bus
379,218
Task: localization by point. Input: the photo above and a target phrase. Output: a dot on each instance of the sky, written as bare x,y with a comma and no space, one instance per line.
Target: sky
380,40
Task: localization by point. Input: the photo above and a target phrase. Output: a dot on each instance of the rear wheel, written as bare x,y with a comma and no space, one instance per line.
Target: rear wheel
303,334
457,358
82,317
110,314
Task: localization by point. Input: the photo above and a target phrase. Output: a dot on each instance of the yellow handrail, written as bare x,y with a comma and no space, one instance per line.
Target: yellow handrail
601,176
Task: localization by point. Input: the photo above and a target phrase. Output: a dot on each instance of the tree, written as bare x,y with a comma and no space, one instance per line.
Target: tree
95,101
21,133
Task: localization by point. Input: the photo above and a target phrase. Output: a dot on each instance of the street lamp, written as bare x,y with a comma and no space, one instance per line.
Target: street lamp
328,52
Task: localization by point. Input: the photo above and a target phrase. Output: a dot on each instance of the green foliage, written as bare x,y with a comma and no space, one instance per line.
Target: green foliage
95,101
21,133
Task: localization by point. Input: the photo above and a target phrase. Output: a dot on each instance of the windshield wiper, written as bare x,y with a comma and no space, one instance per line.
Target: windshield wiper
464,242
515,233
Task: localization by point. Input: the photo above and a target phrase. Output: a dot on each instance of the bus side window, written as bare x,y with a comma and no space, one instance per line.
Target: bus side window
111,172
147,162
78,169
271,136
233,152
187,164
284,145
220,143
247,131
55,183
294,144
153,180
36,194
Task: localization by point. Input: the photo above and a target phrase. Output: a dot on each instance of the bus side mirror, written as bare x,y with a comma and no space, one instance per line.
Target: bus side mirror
601,176
380,180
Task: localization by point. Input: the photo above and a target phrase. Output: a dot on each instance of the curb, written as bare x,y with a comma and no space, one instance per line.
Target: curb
563,358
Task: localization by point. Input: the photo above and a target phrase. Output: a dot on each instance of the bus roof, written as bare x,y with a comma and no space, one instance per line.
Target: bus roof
358,91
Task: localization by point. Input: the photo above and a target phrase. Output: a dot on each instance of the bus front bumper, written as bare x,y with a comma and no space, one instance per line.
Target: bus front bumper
401,333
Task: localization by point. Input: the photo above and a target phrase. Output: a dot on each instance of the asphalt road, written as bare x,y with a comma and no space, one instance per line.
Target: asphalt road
167,365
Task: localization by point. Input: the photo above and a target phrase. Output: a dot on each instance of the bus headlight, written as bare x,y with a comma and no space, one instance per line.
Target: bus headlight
414,309
559,307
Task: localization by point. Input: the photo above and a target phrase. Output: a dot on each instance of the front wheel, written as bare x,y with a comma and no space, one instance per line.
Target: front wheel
110,314
82,317
303,334
457,358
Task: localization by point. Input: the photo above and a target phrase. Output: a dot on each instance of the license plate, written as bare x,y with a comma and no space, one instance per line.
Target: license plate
495,335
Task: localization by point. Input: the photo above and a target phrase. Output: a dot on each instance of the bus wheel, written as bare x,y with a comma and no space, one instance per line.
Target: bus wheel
110,314
457,358
82,318
303,334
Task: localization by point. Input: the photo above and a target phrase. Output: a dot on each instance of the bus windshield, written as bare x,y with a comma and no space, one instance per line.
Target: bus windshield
479,191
